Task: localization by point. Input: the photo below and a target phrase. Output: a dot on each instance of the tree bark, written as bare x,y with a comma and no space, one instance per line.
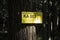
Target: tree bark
28,33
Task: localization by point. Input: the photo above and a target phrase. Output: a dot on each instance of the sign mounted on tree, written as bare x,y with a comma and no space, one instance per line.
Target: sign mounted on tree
32,17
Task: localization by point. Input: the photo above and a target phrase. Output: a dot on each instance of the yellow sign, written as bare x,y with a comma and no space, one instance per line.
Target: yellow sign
31,17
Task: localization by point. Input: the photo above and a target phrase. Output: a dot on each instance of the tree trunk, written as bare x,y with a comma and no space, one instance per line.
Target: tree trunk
28,33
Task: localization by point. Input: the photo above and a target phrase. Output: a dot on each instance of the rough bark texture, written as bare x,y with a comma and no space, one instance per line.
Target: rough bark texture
28,33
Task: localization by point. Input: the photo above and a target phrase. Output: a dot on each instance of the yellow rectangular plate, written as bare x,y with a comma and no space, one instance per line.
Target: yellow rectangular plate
32,17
